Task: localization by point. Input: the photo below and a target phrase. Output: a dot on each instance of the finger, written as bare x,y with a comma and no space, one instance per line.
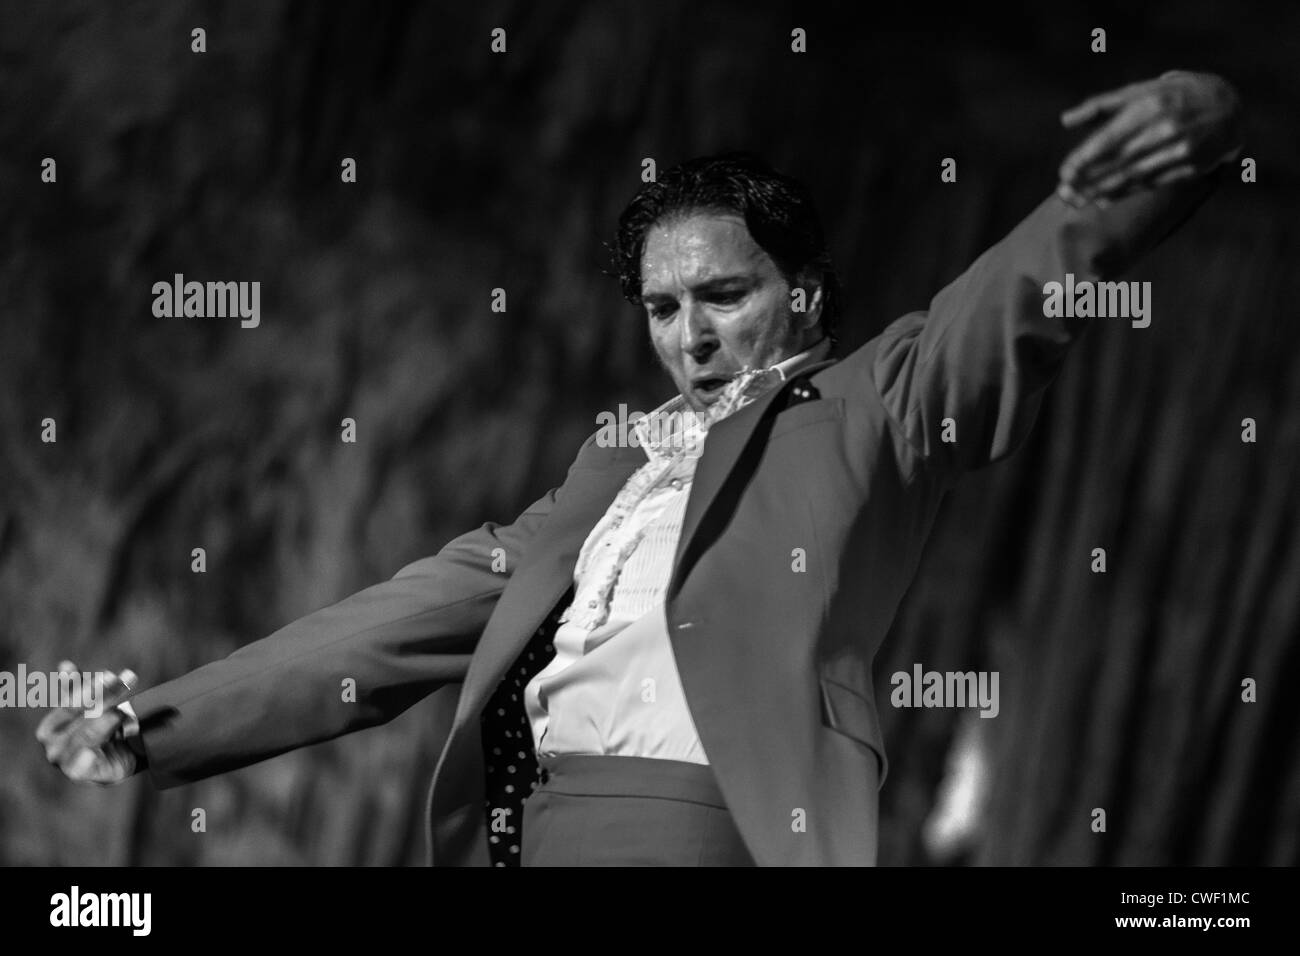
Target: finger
55,721
1069,195
67,667
104,691
97,731
1105,142
72,709
1177,174
92,766
1164,178
116,764
1095,106
104,766
1153,164
1140,144
81,765
1080,113
49,732
1149,139
118,687
1147,167
61,745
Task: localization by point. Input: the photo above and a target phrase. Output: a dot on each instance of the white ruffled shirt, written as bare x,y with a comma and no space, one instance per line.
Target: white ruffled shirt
613,686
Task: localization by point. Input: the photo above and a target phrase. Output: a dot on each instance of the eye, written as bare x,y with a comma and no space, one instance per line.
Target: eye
727,298
661,311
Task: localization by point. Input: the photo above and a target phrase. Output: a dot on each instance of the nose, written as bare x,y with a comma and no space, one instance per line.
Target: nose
698,338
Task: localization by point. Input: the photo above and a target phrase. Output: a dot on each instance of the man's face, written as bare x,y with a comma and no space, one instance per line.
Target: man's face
716,302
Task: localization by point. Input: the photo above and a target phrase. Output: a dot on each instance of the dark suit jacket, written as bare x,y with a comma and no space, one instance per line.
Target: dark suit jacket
776,665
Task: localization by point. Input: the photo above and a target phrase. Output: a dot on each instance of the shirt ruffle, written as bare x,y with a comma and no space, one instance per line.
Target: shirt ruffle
673,453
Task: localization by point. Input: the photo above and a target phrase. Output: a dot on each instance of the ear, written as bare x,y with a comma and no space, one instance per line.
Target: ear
810,285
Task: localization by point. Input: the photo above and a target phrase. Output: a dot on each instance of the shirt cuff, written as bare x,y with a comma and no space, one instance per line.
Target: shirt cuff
132,737
130,723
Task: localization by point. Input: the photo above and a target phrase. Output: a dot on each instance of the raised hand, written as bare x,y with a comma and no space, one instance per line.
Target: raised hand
1148,135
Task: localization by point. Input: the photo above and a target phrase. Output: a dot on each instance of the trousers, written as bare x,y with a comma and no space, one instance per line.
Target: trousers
593,810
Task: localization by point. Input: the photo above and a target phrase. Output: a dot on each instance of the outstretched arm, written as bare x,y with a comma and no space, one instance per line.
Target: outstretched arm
398,641
974,366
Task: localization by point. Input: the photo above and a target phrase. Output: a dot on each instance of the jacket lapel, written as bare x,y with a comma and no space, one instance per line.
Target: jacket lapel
727,440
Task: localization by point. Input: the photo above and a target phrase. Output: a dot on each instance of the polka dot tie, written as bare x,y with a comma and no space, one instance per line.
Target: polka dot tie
509,761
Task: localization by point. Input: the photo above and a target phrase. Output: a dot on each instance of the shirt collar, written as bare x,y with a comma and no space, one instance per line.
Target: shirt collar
674,425
815,353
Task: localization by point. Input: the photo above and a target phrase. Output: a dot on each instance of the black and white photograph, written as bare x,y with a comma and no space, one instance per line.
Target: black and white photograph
632,435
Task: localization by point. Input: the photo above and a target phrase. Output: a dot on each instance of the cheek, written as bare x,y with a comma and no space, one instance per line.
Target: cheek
661,341
765,322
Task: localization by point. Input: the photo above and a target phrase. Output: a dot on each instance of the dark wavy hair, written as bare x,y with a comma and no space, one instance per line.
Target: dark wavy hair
778,211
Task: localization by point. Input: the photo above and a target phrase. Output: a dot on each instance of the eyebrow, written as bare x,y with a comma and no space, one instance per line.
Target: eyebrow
715,284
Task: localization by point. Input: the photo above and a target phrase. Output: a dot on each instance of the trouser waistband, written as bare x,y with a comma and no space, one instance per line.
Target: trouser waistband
615,776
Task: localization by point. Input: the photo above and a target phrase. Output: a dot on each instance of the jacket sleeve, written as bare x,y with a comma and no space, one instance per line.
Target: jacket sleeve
398,641
983,353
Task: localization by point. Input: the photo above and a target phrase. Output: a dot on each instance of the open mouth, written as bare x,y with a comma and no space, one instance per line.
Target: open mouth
711,386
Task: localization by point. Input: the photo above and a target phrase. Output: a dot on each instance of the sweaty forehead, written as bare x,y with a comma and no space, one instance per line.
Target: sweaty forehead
699,248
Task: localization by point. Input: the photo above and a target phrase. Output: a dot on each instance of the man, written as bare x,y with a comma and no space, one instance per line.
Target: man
683,631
